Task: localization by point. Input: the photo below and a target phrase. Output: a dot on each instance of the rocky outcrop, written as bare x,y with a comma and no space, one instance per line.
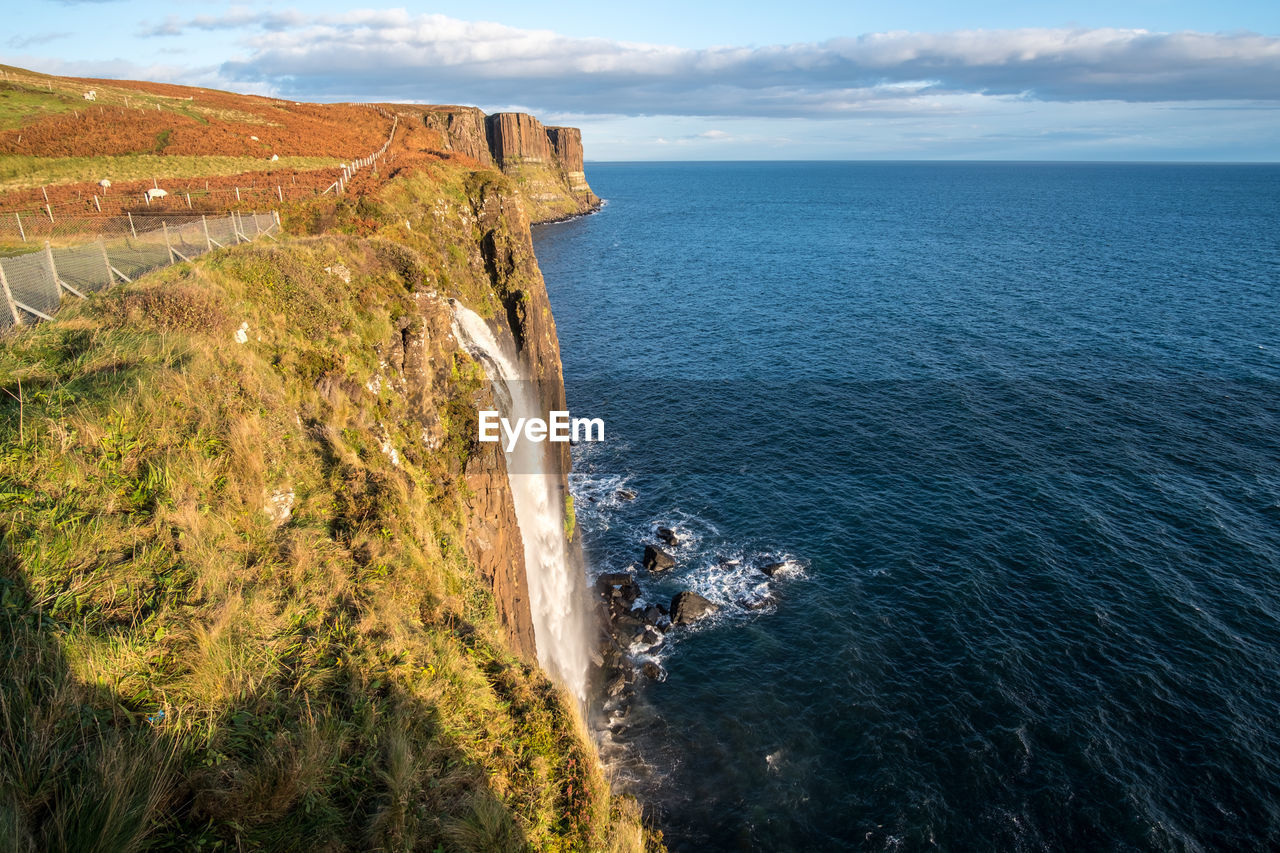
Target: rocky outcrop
516,138
688,607
545,162
566,147
462,130
656,559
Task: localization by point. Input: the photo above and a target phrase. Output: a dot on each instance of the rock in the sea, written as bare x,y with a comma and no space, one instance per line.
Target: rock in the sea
611,579
773,568
625,495
666,534
656,559
688,607
652,670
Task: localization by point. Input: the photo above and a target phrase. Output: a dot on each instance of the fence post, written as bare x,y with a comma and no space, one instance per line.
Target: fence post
96,202
208,244
21,231
49,210
53,270
102,244
8,298
165,227
132,230
237,193
188,201
280,193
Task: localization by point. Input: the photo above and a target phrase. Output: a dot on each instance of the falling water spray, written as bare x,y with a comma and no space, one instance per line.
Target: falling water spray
557,594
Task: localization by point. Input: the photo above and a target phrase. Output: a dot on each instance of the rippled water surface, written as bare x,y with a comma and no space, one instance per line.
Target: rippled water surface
1015,431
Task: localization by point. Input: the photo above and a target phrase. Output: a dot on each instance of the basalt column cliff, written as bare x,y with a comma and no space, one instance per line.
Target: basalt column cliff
545,162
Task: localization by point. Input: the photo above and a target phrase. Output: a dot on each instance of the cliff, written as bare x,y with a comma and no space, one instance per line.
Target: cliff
546,163
262,587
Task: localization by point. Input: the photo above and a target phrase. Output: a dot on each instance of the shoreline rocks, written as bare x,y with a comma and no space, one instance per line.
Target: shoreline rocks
688,607
657,560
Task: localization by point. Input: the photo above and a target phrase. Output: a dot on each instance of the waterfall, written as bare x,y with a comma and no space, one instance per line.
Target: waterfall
557,594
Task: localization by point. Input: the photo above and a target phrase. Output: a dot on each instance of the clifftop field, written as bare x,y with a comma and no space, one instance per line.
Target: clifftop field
247,539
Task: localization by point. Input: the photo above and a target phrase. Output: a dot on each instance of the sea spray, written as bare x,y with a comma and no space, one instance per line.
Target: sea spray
557,589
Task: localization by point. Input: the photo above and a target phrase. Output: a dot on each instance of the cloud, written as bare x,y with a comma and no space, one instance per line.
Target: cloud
23,42
398,53
394,54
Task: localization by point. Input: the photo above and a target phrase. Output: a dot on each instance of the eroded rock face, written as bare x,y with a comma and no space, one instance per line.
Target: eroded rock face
518,138
495,546
461,129
547,162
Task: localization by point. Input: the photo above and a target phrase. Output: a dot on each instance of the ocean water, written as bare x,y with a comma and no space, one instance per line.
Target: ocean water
1014,430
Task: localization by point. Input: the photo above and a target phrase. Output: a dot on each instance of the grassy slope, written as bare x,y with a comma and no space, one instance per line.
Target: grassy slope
50,135
179,670
19,171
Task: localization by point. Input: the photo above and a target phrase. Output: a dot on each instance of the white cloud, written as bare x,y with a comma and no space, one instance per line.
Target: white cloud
395,54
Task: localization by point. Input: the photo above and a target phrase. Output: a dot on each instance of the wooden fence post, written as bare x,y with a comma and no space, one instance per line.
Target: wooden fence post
8,298
132,230
167,245
208,243
21,231
111,276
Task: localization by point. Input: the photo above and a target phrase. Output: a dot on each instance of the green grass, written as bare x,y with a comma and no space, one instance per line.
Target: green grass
180,670
21,105
20,171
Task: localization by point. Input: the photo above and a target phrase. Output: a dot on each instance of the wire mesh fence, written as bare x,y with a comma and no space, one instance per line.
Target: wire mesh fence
34,284
80,210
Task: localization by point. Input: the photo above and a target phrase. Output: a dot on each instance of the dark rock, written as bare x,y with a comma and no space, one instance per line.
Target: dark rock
773,568
653,671
656,559
652,636
625,495
688,607
666,534
653,614
625,625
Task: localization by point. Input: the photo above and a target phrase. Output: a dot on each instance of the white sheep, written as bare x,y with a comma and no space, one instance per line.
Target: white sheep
155,193
105,184
91,95
275,157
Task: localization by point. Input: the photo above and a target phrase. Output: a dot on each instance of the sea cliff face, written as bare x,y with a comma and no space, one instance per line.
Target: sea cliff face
545,162
283,514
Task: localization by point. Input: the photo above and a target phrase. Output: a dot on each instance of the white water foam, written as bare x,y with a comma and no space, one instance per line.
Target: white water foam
557,593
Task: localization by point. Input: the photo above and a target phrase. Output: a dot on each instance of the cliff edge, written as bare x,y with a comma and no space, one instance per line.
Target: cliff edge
546,162
260,585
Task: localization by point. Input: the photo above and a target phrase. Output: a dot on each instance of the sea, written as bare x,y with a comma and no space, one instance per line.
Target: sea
1007,438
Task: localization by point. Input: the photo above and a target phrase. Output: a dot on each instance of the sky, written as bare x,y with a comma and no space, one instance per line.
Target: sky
1155,80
